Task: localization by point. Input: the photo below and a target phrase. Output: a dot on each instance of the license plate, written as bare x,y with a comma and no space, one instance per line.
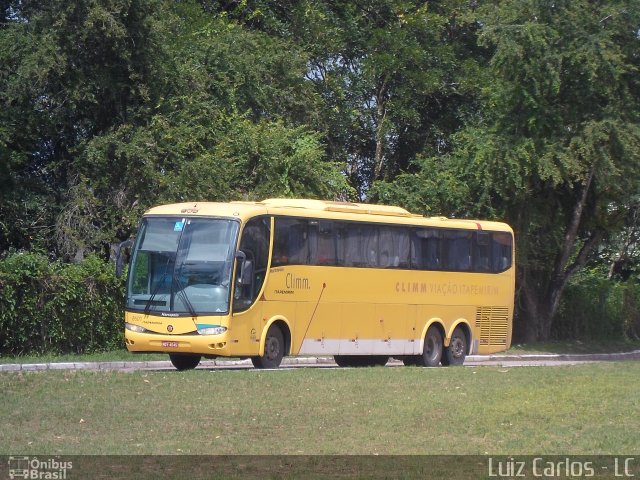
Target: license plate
170,344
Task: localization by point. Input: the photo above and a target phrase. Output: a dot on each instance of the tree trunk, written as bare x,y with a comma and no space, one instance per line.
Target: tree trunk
381,114
541,296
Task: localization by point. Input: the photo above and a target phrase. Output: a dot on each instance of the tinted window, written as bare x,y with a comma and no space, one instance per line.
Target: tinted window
292,245
458,250
426,253
394,247
255,245
482,252
353,244
501,249
325,237
357,245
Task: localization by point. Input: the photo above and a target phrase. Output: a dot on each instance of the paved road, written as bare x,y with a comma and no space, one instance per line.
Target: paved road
327,362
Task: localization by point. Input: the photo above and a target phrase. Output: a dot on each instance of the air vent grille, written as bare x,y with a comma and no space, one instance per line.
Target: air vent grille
493,323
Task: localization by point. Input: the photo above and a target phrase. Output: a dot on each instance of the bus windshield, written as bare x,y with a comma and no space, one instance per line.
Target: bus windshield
182,266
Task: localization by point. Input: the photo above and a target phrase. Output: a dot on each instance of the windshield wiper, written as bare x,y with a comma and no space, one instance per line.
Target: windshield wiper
147,307
184,295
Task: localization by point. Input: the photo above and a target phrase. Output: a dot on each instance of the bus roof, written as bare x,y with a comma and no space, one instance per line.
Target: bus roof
321,209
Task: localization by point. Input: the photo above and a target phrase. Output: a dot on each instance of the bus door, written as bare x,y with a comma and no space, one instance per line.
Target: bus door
251,272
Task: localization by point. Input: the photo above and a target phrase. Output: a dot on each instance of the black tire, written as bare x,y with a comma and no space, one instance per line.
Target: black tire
343,360
184,362
432,351
456,352
273,350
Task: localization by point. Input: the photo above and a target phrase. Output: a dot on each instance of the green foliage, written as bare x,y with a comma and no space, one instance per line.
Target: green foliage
392,77
594,308
554,150
52,307
437,190
141,102
526,111
68,72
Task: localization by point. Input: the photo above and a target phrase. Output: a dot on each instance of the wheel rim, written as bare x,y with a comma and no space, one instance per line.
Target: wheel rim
432,348
272,348
457,347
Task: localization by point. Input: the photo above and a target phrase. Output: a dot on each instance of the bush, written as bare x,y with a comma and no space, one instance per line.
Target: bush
593,307
53,307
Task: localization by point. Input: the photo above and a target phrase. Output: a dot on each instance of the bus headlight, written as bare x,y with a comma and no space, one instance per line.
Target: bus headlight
134,328
211,329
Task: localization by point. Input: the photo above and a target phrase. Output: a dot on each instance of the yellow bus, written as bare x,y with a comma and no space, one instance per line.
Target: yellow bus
362,283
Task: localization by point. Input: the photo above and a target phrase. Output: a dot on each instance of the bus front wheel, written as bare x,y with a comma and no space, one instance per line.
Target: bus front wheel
456,352
432,351
273,350
343,360
184,362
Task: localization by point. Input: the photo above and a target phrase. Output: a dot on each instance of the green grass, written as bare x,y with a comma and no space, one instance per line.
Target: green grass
585,409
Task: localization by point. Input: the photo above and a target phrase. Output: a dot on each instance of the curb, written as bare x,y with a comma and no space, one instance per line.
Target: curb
165,364
148,365
561,357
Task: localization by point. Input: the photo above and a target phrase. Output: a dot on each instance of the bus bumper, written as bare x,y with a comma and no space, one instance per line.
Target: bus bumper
215,345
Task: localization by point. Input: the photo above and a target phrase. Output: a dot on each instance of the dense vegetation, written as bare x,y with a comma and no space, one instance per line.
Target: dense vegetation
526,111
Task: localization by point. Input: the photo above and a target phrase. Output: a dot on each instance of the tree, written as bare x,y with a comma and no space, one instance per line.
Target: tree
556,150
387,74
112,106
223,130
68,71
622,251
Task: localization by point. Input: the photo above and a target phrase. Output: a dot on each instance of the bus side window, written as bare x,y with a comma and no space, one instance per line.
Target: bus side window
482,252
280,249
394,247
458,248
357,245
368,236
291,245
501,246
347,246
325,244
426,251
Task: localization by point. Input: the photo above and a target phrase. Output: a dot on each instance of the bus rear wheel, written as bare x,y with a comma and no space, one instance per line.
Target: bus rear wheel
184,362
432,351
273,350
456,352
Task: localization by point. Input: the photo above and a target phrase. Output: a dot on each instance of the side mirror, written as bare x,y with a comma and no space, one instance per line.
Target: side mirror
120,256
244,282
240,259
244,275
